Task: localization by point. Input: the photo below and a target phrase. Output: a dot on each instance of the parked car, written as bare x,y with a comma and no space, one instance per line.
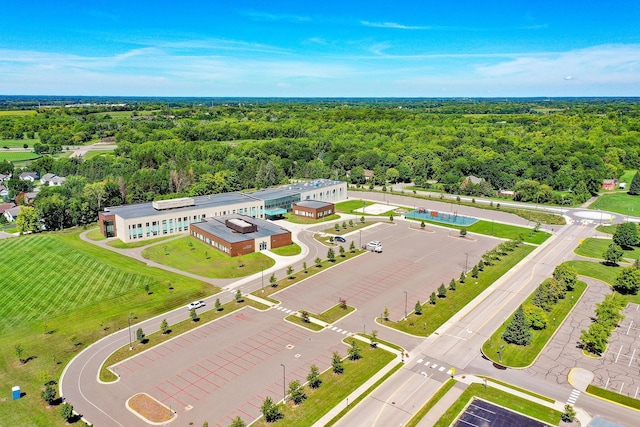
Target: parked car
374,246
340,239
195,304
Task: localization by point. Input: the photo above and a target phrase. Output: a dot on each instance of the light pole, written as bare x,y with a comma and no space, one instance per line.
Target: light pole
129,320
405,305
284,382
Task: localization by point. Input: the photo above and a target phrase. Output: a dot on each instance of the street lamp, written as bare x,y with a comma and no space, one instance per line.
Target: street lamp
130,343
466,262
405,305
284,382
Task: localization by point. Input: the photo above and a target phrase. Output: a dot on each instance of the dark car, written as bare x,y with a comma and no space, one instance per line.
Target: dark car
339,239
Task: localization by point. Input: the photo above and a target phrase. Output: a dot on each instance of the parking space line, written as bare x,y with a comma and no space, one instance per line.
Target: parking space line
419,361
632,355
629,328
434,366
619,351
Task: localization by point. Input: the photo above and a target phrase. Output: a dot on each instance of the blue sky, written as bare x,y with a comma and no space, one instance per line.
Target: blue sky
311,48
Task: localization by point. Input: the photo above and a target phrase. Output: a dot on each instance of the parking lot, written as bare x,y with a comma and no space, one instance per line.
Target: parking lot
227,367
480,413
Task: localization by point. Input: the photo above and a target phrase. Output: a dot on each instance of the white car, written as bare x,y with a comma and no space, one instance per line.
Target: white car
195,304
372,244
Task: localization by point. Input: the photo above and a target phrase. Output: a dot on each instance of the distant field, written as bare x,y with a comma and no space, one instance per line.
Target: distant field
621,203
125,114
95,153
17,143
628,176
17,156
18,113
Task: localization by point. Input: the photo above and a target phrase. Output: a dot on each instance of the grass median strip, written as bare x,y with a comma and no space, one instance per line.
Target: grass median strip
435,315
518,356
418,416
294,318
614,397
158,337
521,390
334,314
502,398
595,248
333,389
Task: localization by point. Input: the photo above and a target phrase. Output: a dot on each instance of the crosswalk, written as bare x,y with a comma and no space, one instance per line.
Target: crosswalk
330,327
431,365
573,397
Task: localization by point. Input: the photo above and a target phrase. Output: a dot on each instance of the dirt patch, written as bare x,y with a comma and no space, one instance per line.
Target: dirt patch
149,408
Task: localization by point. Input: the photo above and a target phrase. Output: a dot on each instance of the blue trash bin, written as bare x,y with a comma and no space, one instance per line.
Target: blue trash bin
15,392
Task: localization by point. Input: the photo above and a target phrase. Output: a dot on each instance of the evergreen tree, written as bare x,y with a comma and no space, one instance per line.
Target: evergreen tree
237,422
634,188
273,280
193,314
442,291
331,255
336,363
140,335
218,304
270,410
418,308
354,351
432,298
164,326
314,377
517,331
66,411
474,272
49,394
463,277
238,296
296,392
452,285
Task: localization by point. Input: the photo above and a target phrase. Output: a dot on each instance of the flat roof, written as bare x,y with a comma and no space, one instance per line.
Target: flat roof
139,210
217,227
314,204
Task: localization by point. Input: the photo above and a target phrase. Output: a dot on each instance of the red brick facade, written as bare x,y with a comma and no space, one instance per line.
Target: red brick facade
315,213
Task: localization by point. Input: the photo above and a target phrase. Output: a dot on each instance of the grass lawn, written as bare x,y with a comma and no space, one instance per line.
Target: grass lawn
599,271
291,250
77,293
594,248
95,153
18,113
349,228
628,176
418,416
119,244
334,314
387,343
17,143
434,316
17,156
95,235
293,318
295,219
521,390
499,397
333,390
613,396
190,254
504,231
517,356
621,203
12,229
157,337
297,276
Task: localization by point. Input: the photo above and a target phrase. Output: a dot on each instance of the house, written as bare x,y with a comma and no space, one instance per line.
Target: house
30,196
609,184
368,174
29,176
52,180
4,177
506,193
4,191
6,206
12,213
313,209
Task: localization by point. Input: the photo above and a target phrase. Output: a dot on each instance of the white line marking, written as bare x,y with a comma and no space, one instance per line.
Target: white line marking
619,351
629,328
605,386
419,361
631,360
427,363
345,332
441,368
334,328
434,366
622,385
339,330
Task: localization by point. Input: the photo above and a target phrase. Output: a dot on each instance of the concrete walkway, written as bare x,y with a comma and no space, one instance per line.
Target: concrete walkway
443,404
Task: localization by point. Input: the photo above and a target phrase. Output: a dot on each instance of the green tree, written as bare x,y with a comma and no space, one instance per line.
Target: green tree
628,281
481,266
193,314
270,410
567,275
48,394
352,247
218,304
296,392
634,188
304,315
432,298
273,280
164,327
452,285
341,251
613,254
422,225
374,338
463,277
237,422
517,332
318,262
442,291
140,335
344,225
385,314
336,363
239,296
336,227
27,221
354,352
391,217
463,232
304,267
569,414
314,377
362,219
535,316
290,272
66,412
19,351
331,255
418,308
626,235
595,338
474,272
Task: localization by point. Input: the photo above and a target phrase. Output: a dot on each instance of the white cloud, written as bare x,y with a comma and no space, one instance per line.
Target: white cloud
393,25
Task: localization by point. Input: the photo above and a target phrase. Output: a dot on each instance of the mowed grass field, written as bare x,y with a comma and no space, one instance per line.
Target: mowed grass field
595,248
17,143
17,156
59,294
621,203
18,113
